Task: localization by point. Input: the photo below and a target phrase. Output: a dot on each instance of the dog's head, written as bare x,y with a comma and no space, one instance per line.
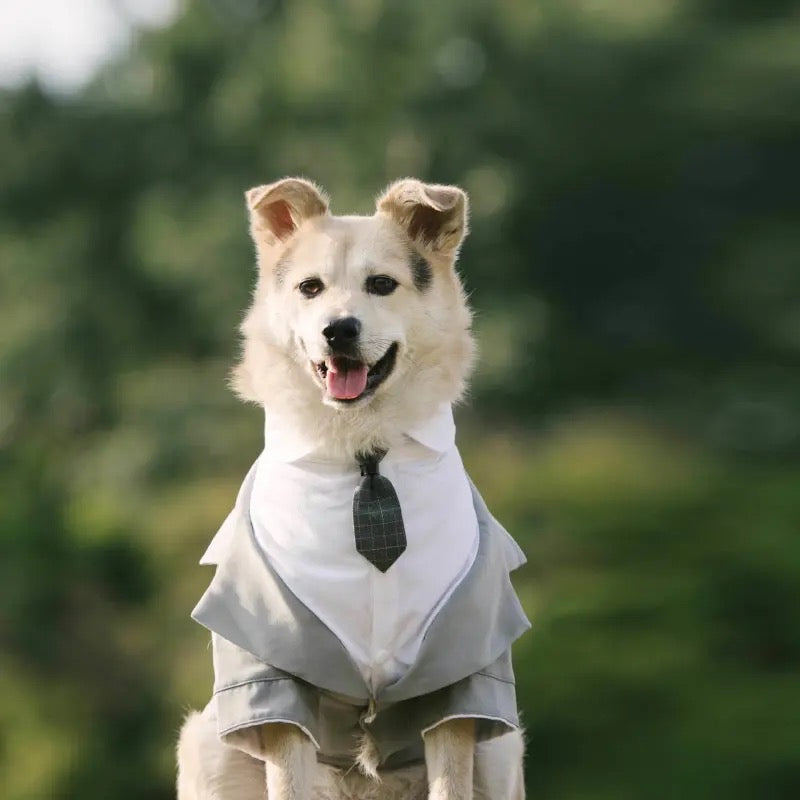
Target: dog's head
356,312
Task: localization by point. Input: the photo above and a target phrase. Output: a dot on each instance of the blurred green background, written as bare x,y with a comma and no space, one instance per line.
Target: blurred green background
635,420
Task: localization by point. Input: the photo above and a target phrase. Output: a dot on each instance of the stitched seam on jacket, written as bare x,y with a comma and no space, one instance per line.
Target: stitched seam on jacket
261,720
468,715
247,683
496,677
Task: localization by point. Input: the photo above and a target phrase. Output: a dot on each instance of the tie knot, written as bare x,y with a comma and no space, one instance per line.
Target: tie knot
369,461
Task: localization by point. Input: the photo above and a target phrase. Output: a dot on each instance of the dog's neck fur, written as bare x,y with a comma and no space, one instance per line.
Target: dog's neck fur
339,433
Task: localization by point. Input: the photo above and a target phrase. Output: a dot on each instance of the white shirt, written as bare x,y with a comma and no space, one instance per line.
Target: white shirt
302,513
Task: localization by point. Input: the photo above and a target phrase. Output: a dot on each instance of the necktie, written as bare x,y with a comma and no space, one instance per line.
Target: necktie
377,520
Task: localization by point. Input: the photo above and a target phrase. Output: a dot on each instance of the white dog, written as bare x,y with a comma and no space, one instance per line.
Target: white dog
338,675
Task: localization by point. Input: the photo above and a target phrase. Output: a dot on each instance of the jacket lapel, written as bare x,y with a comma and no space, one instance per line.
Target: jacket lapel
248,604
478,623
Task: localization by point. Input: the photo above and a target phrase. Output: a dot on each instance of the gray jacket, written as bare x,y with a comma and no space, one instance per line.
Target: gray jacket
276,661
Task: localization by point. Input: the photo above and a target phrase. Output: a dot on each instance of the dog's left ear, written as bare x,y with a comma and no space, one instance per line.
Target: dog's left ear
433,216
279,209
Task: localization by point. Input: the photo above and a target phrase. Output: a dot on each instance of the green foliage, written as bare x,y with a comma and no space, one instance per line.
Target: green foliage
636,415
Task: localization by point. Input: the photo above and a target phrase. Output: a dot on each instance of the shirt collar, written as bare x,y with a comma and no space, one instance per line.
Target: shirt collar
437,432
282,442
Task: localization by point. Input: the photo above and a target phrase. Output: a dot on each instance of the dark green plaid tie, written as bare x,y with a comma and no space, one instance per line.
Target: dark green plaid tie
377,520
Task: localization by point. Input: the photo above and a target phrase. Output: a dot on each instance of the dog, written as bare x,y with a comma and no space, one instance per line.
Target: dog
358,340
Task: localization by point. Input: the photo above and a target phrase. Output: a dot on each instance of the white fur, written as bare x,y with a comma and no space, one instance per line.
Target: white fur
296,239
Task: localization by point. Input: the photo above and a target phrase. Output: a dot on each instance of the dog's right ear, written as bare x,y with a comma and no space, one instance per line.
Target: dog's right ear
278,209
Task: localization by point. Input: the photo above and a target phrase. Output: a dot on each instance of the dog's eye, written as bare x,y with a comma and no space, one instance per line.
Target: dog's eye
311,287
381,284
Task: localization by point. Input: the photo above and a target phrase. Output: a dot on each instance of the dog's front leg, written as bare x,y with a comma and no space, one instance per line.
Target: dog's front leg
291,760
449,755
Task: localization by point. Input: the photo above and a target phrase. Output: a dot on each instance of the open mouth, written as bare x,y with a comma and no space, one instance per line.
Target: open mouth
347,379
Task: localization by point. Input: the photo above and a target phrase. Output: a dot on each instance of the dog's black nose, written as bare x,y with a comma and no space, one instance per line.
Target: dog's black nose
342,332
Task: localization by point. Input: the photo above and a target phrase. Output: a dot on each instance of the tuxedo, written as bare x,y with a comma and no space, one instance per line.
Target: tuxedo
306,631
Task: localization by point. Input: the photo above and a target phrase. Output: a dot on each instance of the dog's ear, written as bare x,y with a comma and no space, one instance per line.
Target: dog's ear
433,216
278,209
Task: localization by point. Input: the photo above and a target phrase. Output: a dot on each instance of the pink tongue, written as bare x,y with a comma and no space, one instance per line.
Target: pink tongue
346,385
